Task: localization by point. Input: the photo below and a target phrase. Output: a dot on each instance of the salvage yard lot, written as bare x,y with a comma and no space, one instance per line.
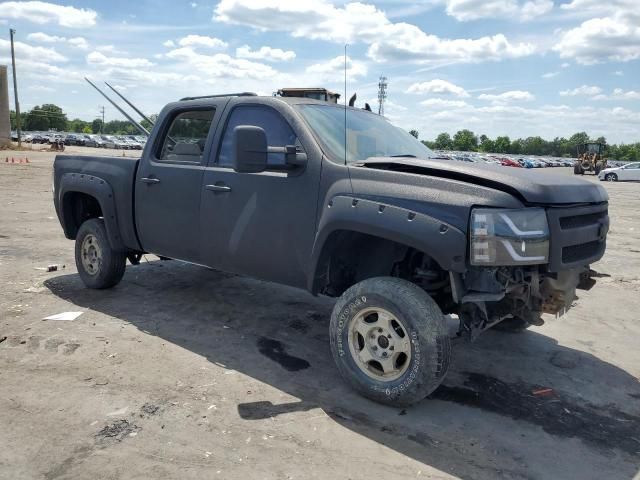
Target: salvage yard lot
182,372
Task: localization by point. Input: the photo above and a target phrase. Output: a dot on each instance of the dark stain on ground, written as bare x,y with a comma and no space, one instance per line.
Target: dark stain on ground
299,326
2,339
274,350
149,409
601,427
117,431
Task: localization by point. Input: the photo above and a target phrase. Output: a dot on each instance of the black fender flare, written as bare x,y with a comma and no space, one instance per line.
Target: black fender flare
99,189
446,244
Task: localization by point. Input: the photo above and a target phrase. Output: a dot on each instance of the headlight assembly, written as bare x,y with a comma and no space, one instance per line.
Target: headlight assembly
509,237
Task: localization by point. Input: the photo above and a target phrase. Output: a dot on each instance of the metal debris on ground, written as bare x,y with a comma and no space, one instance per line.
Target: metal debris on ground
117,431
64,316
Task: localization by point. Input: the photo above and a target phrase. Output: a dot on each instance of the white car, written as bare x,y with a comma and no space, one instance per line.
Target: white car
630,171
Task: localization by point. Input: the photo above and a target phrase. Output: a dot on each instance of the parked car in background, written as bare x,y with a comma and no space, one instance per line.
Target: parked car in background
630,171
94,141
507,162
74,139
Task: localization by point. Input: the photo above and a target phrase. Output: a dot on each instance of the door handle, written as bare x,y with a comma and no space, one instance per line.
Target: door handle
150,180
218,188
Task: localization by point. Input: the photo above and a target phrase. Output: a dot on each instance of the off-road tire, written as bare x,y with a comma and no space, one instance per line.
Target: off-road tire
577,169
512,325
611,177
598,168
426,326
112,264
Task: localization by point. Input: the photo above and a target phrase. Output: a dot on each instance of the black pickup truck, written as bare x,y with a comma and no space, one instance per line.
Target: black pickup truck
341,203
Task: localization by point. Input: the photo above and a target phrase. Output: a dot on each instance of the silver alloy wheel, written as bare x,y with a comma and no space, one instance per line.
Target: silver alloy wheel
610,177
91,254
379,344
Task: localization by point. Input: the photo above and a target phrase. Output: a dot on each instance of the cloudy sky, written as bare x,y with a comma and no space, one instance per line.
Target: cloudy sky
514,67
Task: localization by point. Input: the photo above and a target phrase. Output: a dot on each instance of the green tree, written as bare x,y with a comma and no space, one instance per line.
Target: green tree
486,144
77,126
414,133
96,126
86,129
502,144
465,140
443,142
148,125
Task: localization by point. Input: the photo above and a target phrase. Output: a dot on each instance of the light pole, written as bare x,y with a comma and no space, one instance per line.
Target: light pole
15,87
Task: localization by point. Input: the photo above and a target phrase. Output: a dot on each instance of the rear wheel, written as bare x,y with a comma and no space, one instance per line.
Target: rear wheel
598,168
99,266
577,169
611,177
389,339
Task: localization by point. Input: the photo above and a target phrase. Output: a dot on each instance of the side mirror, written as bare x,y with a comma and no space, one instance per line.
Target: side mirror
249,149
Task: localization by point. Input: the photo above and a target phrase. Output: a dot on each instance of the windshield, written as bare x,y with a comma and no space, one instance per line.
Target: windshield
368,135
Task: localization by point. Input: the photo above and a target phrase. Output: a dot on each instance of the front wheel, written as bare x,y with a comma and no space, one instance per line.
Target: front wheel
389,339
611,177
99,266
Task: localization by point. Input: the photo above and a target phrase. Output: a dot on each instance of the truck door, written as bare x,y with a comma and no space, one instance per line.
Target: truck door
261,224
168,182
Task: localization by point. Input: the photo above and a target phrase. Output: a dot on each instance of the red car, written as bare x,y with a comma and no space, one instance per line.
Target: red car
507,162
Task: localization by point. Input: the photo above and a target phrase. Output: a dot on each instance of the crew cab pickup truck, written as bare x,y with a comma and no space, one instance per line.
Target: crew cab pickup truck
340,202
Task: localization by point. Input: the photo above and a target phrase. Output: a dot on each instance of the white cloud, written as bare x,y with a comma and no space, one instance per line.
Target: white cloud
614,35
619,94
465,10
221,64
584,90
78,42
565,65
98,58
200,41
193,4
443,103
44,12
438,86
507,97
169,44
333,70
359,22
265,53
44,38
550,74
619,73
29,52
110,49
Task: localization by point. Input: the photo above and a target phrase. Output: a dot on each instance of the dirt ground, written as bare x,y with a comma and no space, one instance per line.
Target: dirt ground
182,372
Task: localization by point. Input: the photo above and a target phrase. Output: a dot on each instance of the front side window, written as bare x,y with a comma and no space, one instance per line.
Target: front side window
186,137
367,135
279,132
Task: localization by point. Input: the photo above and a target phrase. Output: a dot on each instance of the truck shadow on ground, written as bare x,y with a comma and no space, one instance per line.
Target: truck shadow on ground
510,405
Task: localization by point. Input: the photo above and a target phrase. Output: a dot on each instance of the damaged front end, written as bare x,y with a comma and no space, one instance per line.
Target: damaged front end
527,262
487,296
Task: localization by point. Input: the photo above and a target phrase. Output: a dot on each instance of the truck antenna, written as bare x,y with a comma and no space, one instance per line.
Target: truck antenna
128,117
130,104
345,103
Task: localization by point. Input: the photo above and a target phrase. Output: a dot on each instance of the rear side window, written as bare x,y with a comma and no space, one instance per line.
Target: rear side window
186,137
279,132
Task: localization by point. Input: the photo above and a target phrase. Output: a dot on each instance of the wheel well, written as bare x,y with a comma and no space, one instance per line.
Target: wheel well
78,207
349,257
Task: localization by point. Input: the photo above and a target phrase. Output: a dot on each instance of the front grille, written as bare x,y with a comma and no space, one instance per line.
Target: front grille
575,253
567,223
578,235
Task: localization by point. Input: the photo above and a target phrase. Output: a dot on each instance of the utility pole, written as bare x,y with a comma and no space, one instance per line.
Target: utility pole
102,124
382,94
15,87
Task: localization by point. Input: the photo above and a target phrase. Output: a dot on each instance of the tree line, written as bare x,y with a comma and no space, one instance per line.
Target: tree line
43,118
467,141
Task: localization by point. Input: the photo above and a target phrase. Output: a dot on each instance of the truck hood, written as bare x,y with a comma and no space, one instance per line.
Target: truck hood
532,188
